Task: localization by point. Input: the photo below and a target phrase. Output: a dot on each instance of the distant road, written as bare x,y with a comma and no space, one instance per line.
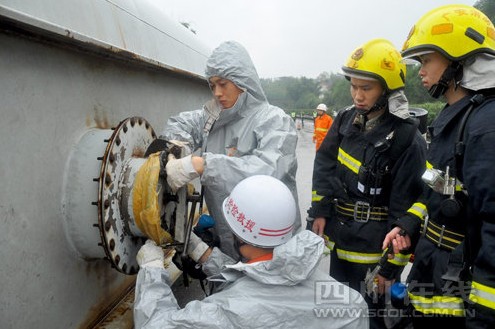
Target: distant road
305,157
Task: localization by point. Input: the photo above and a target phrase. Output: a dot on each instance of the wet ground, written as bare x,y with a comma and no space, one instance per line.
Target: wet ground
305,156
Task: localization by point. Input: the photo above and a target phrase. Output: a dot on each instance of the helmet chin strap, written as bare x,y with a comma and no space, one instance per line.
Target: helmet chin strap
380,103
362,116
452,72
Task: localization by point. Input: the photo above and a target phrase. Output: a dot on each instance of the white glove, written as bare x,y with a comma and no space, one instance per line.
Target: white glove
173,272
179,171
150,255
196,247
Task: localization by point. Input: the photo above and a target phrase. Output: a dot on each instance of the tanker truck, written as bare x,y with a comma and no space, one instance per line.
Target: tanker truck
85,89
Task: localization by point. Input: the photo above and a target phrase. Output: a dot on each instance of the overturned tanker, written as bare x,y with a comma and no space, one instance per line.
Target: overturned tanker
85,88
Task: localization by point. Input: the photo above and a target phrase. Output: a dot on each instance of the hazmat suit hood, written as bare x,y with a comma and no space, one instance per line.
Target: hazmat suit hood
252,137
231,61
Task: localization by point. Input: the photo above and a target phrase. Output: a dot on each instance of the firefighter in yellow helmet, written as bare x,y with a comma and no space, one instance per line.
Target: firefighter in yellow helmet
452,281
367,173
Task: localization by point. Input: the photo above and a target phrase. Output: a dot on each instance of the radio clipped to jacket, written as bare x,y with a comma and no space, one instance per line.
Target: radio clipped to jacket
443,183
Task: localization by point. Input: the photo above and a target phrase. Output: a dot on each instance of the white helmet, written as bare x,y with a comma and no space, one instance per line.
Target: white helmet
322,107
261,211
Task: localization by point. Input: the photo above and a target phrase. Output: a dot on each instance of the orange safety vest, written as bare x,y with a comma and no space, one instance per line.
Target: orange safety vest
322,125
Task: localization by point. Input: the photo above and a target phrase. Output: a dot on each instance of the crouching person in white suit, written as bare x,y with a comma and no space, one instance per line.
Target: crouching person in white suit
277,283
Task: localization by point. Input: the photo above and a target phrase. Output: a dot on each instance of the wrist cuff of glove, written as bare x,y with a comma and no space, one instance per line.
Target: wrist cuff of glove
173,272
154,263
198,251
188,166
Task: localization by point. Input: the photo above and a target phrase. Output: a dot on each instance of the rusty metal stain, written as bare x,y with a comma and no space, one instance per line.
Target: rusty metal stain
138,152
115,12
116,311
100,118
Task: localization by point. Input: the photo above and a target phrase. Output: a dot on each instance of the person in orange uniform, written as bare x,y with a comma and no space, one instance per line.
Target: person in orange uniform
322,124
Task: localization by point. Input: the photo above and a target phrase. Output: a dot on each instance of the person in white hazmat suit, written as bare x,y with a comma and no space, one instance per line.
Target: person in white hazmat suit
277,285
235,135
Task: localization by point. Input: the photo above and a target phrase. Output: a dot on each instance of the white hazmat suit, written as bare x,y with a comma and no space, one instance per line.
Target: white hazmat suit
251,138
289,291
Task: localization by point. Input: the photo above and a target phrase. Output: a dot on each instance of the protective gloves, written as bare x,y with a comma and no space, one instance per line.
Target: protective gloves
179,171
204,230
150,255
196,247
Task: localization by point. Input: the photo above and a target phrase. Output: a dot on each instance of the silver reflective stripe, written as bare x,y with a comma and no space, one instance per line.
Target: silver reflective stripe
483,295
358,257
419,210
444,305
348,161
400,259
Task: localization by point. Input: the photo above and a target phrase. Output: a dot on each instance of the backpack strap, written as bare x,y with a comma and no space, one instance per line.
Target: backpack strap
403,137
460,147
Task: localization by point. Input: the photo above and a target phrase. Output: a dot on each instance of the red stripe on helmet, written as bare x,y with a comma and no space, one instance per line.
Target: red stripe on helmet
267,232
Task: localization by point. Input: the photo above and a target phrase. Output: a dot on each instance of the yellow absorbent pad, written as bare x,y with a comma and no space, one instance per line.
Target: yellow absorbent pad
145,203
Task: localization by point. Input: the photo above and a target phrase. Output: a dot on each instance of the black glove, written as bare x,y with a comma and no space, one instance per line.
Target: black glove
208,237
192,268
204,230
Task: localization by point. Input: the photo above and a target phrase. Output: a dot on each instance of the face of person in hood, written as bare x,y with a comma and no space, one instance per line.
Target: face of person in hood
225,91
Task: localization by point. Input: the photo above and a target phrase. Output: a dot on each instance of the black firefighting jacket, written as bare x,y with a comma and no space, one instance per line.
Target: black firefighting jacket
469,231
346,153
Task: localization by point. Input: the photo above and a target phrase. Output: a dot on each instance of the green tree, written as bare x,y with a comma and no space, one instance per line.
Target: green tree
487,7
340,94
291,93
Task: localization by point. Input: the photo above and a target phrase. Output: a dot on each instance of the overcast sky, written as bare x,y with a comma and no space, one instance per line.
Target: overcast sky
300,37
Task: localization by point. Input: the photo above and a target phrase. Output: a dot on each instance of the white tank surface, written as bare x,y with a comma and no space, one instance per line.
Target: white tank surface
85,87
